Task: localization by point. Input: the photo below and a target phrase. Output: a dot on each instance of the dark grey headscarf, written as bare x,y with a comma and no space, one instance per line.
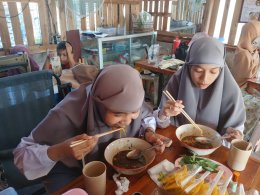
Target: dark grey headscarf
117,88
220,105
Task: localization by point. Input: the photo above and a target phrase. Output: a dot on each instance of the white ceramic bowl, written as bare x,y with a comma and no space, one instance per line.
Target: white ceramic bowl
129,143
190,130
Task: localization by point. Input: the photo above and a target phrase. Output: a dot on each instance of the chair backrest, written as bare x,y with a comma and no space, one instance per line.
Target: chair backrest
73,37
25,100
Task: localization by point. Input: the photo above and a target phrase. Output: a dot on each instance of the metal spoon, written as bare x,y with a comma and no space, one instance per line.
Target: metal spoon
206,140
137,153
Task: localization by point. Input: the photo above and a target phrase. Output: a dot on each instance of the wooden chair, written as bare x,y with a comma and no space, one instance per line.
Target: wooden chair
73,37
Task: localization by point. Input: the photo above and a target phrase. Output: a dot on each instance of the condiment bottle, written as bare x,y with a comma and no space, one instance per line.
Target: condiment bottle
233,182
175,45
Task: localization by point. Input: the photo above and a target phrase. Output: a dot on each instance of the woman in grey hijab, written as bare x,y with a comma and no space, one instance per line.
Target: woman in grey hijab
114,100
207,89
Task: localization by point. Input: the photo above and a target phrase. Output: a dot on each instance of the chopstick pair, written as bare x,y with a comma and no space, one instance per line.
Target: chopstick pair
169,96
78,142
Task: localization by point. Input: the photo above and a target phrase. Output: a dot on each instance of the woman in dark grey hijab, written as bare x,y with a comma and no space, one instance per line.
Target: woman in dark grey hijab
115,99
207,89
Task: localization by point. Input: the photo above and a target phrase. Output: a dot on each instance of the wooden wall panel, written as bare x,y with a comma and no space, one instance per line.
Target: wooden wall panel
44,22
15,23
28,24
83,24
127,17
121,15
207,15
4,29
63,26
213,18
166,8
54,24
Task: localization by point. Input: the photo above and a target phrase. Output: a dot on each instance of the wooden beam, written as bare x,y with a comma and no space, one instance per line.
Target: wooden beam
105,14
98,18
15,23
122,2
41,48
53,11
115,15
159,15
145,5
166,11
63,26
235,20
44,22
83,25
28,24
207,15
155,19
213,18
4,33
22,1
121,15
168,37
127,17
70,20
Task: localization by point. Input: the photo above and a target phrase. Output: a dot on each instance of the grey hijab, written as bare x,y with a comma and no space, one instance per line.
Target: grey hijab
220,105
117,88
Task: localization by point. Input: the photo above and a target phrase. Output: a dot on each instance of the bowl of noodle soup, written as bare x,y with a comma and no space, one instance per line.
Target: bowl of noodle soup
115,155
186,134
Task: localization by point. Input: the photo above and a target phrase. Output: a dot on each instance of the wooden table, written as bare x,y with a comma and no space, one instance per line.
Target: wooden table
253,83
250,177
143,64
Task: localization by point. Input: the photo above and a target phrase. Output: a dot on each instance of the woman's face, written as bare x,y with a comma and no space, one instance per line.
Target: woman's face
63,56
204,75
120,119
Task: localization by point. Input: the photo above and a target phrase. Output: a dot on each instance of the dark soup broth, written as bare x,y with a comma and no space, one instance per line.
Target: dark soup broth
120,160
191,141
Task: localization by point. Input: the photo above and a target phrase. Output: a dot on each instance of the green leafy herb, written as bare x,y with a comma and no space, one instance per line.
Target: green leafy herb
161,176
206,164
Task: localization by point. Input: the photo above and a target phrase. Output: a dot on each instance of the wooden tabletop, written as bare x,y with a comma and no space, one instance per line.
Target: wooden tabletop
152,67
254,83
250,177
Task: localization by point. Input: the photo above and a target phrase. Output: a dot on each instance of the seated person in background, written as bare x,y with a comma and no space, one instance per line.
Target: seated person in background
33,64
65,52
245,66
246,59
207,89
115,99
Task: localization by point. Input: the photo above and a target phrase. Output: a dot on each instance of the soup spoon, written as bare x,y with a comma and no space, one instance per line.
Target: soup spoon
206,140
137,153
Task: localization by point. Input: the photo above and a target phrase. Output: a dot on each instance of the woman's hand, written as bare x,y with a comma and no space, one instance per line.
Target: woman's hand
232,133
64,150
157,139
171,108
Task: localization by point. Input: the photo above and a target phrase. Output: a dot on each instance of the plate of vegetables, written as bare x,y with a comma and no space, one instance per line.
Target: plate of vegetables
206,163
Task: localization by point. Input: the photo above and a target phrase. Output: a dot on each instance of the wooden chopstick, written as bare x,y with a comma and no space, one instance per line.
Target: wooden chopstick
108,132
169,96
78,142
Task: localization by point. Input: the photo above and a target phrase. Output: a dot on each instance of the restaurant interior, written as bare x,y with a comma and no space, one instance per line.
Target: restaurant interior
55,56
